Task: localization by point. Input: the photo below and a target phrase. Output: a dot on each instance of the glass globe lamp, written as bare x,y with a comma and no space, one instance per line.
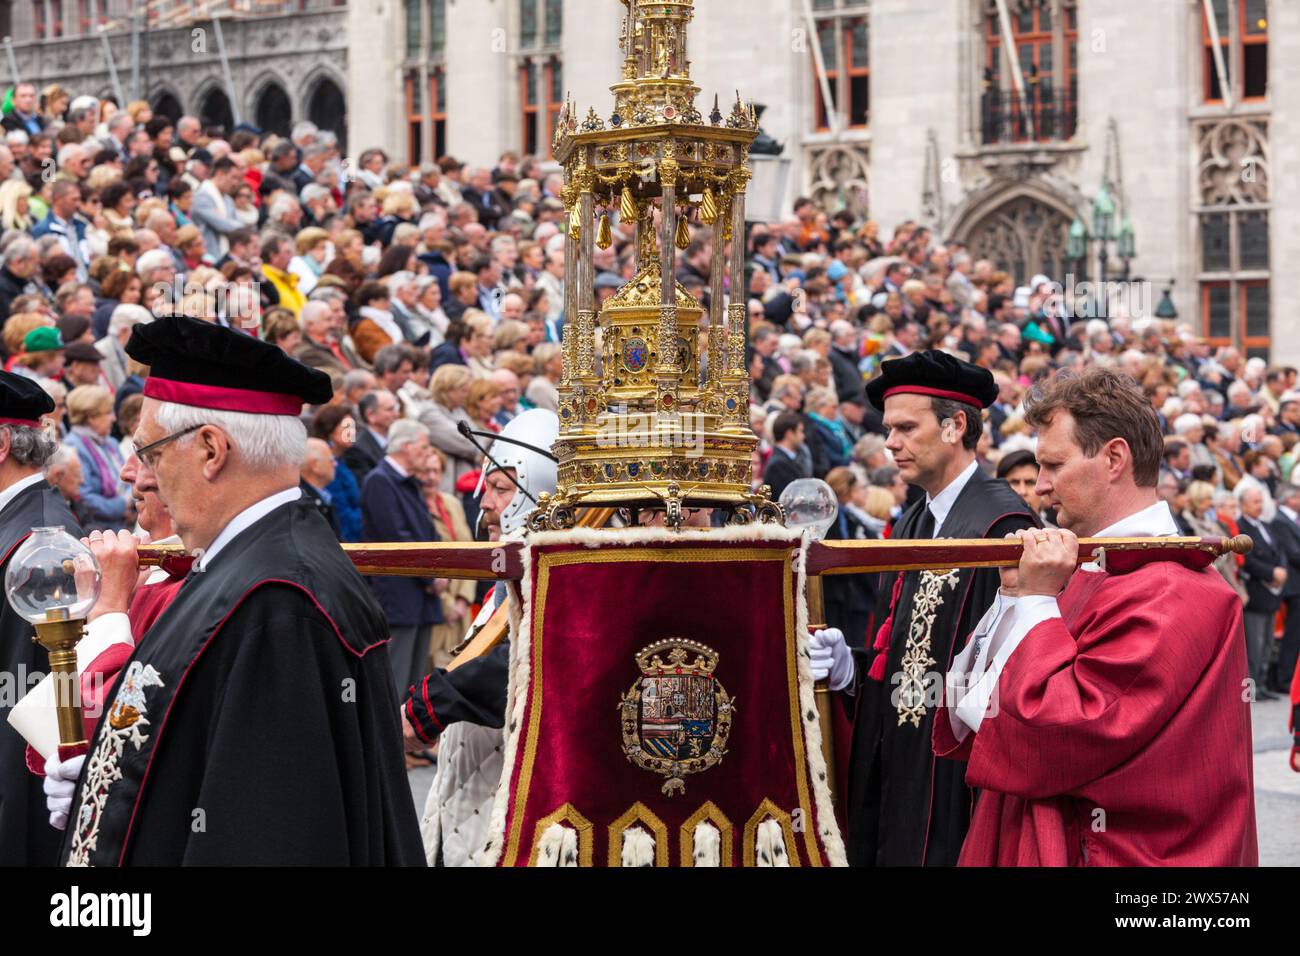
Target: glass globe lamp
810,504
53,581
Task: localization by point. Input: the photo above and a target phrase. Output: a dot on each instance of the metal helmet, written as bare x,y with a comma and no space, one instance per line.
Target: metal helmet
535,472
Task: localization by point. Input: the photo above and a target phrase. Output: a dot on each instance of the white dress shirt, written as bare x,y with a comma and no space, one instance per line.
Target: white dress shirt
253,513
973,679
10,493
941,504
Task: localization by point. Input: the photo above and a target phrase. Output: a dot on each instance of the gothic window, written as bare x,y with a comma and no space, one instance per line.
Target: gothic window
91,14
540,72
1031,77
1023,237
1236,43
426,45
1233,236
844,38
415,114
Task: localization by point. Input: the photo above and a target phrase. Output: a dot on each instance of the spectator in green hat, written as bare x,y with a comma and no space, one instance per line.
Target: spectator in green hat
42,355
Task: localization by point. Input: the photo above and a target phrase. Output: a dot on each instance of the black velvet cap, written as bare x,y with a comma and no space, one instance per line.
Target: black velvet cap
207,365
936,374
22,401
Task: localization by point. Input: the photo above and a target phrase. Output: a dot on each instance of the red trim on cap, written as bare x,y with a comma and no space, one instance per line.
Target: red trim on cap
934,393
25,422
222,399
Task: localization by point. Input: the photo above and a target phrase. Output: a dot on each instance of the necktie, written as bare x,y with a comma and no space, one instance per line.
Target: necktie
925,527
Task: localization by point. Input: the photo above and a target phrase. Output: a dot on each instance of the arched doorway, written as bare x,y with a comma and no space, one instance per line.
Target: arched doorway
166,104
274,112
327,108
1023,237
215,111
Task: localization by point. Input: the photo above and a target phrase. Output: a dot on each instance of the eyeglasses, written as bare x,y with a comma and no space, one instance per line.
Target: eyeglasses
149,454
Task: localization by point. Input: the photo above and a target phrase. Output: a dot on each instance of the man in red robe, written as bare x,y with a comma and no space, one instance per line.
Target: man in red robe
1104,712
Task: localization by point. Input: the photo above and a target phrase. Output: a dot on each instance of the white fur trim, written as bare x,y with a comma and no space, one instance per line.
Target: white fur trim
598,537
770,849
558,846
638,847
827,828
707,845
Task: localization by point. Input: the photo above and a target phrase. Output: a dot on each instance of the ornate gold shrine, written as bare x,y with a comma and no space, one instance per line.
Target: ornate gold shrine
654,399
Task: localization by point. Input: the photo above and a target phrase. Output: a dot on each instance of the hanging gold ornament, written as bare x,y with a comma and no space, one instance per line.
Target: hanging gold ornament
575,225
683,232
604,234
627,206
709,208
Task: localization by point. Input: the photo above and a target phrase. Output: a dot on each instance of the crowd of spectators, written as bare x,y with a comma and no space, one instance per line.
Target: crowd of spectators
434,296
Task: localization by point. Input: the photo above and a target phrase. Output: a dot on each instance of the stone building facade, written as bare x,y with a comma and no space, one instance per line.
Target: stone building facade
994,121
288,59
929,119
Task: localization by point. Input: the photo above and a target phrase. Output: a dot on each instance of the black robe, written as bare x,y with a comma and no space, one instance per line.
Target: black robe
26,837
904,806
473,693
256,721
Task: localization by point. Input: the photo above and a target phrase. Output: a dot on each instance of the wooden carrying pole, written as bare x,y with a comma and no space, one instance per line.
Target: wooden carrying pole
501,561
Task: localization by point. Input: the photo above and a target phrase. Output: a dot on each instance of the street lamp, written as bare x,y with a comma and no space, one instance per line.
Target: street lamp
1165,307
1127,245
1076,246
53,581
1103,219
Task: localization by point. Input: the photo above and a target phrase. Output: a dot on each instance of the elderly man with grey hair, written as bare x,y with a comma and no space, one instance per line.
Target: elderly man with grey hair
393,509
188,130
1191,429
113,345
284,215
270,665
319,347
118,129
17,140
18,266
1266,572
157,268
319,201
404,293
304,133
844,361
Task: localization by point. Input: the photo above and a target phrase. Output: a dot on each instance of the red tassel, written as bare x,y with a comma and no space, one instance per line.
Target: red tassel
877,670
881,645
882,635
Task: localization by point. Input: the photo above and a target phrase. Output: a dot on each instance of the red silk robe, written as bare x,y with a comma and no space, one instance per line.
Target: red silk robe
1120,732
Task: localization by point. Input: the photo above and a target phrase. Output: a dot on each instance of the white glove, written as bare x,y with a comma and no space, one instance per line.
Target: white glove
831,658
61,787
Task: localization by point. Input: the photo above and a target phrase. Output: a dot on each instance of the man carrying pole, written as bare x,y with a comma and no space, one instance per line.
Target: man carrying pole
1104,712
904,808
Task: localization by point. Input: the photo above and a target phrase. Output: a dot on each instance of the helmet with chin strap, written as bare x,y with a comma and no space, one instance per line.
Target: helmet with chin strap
535,472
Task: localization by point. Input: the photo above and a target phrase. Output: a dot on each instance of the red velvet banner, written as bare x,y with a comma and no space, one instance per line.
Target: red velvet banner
657,685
